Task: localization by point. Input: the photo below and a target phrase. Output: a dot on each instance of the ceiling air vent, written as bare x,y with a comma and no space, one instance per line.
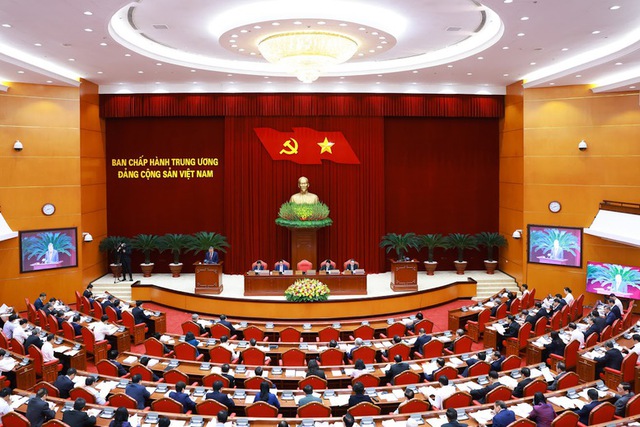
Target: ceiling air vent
160,26
454,28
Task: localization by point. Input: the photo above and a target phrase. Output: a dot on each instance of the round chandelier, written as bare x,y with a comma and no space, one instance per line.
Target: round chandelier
307,54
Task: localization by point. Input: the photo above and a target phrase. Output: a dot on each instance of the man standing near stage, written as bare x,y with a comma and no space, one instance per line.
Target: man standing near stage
125,259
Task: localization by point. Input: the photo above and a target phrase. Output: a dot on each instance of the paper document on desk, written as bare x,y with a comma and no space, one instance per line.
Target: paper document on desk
289,373
386,343
499,328
522,409
546,373
71,353
387,397
437,421
112,329
151,390
131,359
336,372
79,380
535,373
541,342
468,386
508,381
563,401
378,344
206,323
389,423
61,348
482,417
398,393
427,391
429,367
414,367
17,401
178,423
583,394
456,361
249,399
339,400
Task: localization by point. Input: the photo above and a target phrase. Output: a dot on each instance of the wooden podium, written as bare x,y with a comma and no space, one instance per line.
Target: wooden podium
208,278
304,245
404,276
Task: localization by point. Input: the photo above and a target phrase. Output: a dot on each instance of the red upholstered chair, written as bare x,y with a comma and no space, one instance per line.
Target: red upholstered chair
522,422
42,320
633,406
219,330
253,332
153,347
448,371
173,376
143,371
414,405
14,419
55,423
613,377
97,310
579,306
458,399
16,346
363,331
591,340
327,334
47,371
32,315
566,419
276,264
77,392
331,357
253,356
570,379
52,390
501,392
290,334
367,354
293,357
78,300
316,382
573,310
364,409
210,407
208,380
253,383
347,262
112,314
262,410
219,354
533,387
570,357
406,377
479,368
501,312
186,351
510,363
367,380
605,335
425,324
461,345
136,331
564,316
313,410
304,265
514,345
397,349
554,322
515,306
52,323
616,326
69,333
540,327
603,413
106,367
397,328
167,404
4,342
265,266
430,350
323,263
194,328
86,306
476,329
120,399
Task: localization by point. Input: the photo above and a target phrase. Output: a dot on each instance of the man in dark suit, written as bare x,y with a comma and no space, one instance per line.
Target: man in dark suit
622,397
422,339
614,308
503,416
519,390
137,391
107,303
76,417
496,361
218,396
211,257
33,339
180,396
113,356
542,312
223,321
40,301
480,394
480,357
562,371
326,266
38,409
511,331
358,396
396,368
64,383
612,359
280,266
439,363
258,266
609,316
599,321
530,317
88,292
314,369
75,324
225,373
140,317
556,346
125,259
352,265
584,412
452,419
593,327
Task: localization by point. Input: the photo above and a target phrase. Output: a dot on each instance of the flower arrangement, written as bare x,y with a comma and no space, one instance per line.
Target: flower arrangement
307,290
303,215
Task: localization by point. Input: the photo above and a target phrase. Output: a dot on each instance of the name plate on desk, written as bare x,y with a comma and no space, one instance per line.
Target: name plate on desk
287,273
359,271
333,272
306,273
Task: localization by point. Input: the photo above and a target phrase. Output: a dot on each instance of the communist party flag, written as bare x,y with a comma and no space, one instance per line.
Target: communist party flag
307,146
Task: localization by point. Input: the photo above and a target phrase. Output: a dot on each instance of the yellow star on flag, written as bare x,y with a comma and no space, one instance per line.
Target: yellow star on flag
326,146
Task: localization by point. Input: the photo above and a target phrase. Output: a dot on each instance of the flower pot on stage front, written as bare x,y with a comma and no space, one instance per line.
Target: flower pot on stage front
490,266
176,269
147,269
460,266
430,267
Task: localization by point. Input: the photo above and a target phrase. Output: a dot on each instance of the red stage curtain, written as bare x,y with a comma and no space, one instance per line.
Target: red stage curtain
256,186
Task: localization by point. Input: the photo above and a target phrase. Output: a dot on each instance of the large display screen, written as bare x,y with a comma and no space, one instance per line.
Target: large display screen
555,245
605,279
48,249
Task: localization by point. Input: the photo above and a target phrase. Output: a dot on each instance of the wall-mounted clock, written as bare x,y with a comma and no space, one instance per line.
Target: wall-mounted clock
48,209
555,206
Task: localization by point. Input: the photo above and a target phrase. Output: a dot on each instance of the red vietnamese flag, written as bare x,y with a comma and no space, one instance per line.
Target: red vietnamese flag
307,146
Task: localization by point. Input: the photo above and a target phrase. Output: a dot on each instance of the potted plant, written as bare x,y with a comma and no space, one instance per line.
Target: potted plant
174,243
146,243
460,242
109,245
400,243
430,241
203,240
490,240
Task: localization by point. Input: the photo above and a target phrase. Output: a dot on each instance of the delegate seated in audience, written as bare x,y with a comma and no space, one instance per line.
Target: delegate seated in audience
113,356
584,412
223,321
395,340
622,398
609,316
352,265
359,368
556,346
88,386
121,418
439,364
9,326
357,343
88,292
398,367
158,336
562,371
219,396
445,390
452,419
592,326
358,396
542,311
496,360
101,330
180,396
194,318
40,301
75,324
38,410
20,333
422,339
568,296
576,334
139,316
480,357
530,317
265,395
459,334
615,309
480,394
519,390
314,369
189,338
33,339
308,396
224,342
636,346
114,303
137,391
5,401
347,420
542,413
144,361
616,302
280,266
503,416
47,349
612,359
222,417
64,383
510,332
411,323
77,417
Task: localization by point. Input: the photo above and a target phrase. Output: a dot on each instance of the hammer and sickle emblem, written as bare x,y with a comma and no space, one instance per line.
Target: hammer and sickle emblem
288,148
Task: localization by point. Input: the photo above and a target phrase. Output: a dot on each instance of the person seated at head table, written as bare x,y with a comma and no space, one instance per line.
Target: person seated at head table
326,265
280,266
258,266
352,265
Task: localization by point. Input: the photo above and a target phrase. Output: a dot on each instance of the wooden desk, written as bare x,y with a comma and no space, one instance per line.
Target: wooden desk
339,284
586,367
160,321
458,318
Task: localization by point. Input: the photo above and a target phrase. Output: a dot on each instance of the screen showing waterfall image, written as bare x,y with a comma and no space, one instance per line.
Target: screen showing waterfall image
555,245
605,279
48,249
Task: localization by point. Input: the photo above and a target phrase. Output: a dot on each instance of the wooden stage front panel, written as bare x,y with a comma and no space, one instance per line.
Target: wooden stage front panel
339,284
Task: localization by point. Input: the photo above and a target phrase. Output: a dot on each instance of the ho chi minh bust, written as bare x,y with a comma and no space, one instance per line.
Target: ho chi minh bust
304,197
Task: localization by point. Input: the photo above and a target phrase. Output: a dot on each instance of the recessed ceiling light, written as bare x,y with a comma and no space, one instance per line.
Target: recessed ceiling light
632,87
257,27
480,57
524,18
140,72
252,53
233,41
578,75
246,31
618,63
37,44
321,22
384,42
88,13
127,54
595,32
269,83
469,74
414,83
508,1
564,49
234,36
193,71
234,45
266,77
378,47
241,50
343,24
103,44
371,50
195,83
297,23
6,25
375,33
100,72
157,83
415,71
361,54
340,82
505,47
20,72
616,7
229,75
532,63
379,75
505,75
49,81
341,77
362,28
275,24
377,83
520,34
449,66
158,63
72,59
551,84
88,30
